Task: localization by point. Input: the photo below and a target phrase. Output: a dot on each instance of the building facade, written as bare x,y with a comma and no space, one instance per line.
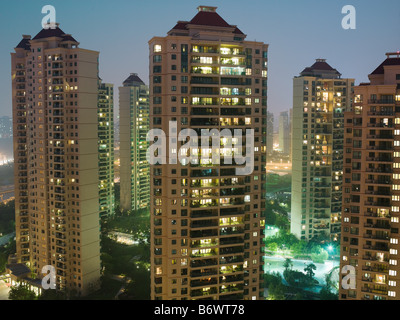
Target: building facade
6,127
54,95
207,222
106,149
134,127
371,189
270,132
284,133
321,97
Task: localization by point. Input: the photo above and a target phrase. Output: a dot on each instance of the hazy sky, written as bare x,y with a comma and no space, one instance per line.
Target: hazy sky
298,31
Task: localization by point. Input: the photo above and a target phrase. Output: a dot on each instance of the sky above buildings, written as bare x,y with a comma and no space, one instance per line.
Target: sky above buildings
298,33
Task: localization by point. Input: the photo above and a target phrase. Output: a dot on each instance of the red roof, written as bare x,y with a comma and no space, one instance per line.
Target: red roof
206,18
387,62
56,32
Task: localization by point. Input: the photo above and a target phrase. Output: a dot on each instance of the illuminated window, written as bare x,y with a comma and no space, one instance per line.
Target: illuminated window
157,48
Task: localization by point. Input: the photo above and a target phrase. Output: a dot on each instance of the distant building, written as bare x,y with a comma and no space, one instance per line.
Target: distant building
106,148
270,132
6,127
284,133
321,97
134,124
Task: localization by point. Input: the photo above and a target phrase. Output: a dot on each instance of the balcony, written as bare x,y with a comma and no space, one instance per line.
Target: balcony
203,293
203,263
203,273
381,101
379,181
203,283
380,136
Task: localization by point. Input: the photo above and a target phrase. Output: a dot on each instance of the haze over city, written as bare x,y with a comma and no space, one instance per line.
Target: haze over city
298,32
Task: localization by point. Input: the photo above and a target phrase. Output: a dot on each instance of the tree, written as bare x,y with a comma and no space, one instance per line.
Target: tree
319,255
52,295
326,294
299,248
309,270
276,292
288,264
21,293
273,247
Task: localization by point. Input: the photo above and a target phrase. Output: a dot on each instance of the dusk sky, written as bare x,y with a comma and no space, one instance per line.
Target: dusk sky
298,33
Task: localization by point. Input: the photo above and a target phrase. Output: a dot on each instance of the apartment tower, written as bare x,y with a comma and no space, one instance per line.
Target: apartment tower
55,95
106,148
270,132
284,133
320,99
134,127
207,222
371,189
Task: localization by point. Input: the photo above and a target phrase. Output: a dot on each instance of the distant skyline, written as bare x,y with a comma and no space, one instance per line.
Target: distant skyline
298,32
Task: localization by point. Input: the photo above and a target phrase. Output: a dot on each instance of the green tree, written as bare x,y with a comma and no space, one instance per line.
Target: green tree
326,294
319,255
276,292
288,264
21,293
309,270
273,247
52,295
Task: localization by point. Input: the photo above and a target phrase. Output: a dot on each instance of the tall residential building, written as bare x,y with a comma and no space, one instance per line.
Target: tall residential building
134,126
321,97
284,133
106,149
371,188
207,225
54,96
270,132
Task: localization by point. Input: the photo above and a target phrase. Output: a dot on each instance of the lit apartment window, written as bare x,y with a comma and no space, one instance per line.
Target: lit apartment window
157,48
391,293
